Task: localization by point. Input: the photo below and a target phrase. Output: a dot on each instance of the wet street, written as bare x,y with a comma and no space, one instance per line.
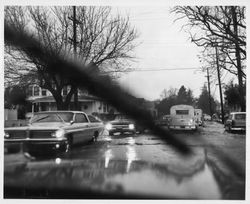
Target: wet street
147,147
215,169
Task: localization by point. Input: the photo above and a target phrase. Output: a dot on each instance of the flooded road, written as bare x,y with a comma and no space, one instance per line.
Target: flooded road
143,165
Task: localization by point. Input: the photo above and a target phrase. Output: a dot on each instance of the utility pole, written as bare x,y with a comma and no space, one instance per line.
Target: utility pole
218,71
209,93
74,45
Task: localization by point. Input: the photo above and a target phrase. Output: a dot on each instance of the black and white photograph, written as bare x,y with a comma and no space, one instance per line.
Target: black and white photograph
130,101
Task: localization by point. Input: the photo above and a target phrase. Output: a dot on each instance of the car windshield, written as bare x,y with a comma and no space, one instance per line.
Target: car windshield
241,116
129,66
122,117
52,117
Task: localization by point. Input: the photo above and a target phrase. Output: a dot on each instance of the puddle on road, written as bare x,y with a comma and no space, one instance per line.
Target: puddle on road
129,175
201,185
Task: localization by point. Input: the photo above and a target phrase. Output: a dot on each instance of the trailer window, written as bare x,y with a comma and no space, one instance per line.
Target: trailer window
182,112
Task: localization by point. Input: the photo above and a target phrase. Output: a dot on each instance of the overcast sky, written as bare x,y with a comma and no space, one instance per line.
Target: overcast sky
163,46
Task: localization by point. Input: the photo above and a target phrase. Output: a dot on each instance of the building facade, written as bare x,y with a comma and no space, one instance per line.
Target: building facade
42,100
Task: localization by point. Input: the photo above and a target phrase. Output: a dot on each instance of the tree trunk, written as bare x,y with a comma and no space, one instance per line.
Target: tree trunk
60,104
238,60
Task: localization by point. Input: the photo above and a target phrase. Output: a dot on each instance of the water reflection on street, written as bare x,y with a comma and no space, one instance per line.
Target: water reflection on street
201,185
141,164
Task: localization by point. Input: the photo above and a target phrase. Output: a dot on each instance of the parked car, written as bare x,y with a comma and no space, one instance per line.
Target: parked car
163,121
236,121
207,117
182,118
55,130
199,117
121,124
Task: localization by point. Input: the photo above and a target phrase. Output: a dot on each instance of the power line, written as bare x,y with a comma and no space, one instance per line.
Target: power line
157,70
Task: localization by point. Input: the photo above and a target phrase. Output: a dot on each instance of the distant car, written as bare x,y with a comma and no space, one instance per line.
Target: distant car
163,121
207,117
121,124
182,118
199,117
236,121
54,130
167,118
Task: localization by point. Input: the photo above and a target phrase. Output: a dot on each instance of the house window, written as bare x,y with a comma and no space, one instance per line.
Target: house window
53,85
30,91
44,92
36,91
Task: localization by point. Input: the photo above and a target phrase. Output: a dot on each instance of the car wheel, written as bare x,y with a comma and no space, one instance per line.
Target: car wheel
96,134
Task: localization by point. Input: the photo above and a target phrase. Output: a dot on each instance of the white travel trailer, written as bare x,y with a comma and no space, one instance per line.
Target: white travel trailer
182,118
198,116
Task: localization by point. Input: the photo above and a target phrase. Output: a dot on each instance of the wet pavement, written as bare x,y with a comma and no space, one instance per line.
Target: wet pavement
207,173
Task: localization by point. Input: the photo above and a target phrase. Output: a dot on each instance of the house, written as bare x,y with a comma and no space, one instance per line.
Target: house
42,100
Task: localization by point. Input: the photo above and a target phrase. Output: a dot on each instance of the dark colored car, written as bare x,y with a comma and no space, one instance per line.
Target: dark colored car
121,124
236,122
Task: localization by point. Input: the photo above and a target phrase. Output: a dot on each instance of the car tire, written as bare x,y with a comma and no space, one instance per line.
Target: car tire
95,136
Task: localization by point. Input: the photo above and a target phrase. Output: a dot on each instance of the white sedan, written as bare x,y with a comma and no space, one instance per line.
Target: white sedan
56,130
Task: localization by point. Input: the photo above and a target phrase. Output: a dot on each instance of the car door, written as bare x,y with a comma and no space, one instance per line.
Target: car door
81,128
240,120
96,124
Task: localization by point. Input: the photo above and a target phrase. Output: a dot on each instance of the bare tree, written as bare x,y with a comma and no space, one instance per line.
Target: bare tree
223,27
103,39
166,93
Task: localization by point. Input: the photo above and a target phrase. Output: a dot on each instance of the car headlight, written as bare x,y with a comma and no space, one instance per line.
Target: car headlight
131,126
109,126
6,134
58,133
191,120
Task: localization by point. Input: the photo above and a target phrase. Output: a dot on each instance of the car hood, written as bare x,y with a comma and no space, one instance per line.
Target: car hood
38,126
125,121
88,178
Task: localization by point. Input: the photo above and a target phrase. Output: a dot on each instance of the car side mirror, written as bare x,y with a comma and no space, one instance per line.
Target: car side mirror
71,122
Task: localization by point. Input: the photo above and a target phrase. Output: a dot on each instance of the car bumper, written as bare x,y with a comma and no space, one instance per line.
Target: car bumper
238,128
121,130
42,146
180,127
